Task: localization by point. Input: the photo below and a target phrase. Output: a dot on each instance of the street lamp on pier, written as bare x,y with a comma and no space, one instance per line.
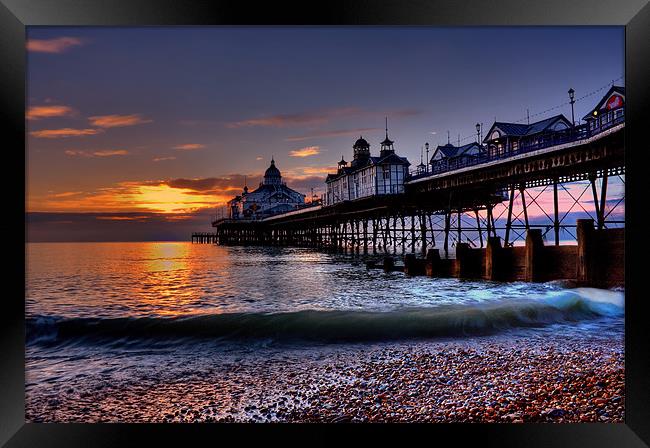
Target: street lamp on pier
478,133
572,101
426,146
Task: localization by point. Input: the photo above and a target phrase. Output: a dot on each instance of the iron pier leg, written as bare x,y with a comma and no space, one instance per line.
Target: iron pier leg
603,197
522,190
447,225
509,221
592,179
556,219
478,226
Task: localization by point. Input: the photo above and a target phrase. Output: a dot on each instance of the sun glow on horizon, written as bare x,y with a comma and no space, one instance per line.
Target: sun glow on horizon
164,199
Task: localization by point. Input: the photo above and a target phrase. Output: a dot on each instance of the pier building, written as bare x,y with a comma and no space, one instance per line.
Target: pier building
511,138
448,156
609,110
270,198
367,175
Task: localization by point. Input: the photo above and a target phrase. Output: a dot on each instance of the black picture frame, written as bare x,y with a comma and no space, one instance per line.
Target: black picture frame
16,15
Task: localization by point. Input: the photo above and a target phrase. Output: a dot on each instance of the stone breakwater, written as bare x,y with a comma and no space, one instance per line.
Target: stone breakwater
542,379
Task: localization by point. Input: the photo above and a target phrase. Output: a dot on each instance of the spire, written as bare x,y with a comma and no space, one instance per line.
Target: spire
386,128
387,144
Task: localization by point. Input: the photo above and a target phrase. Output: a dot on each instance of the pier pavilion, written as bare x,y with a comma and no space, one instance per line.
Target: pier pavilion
270,198
367,175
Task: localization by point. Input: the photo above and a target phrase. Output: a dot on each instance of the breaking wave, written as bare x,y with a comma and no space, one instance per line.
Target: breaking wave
337,325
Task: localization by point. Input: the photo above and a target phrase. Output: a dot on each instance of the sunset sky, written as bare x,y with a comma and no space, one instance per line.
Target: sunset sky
139,133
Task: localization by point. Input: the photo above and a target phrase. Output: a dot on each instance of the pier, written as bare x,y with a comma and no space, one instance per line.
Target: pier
470,219
204,238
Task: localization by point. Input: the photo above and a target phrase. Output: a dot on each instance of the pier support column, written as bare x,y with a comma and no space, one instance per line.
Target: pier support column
432,264
423,233
447,226
509,220
534,252
586,272
493,259
365,236
556,216
603,200
462,260
478,227
389,263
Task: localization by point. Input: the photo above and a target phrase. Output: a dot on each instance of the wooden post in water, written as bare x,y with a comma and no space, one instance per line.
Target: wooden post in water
534,253
432,265
493,258
447,225
586,274
462,260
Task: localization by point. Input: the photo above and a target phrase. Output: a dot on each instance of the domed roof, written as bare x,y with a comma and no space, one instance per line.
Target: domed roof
361,143
272,171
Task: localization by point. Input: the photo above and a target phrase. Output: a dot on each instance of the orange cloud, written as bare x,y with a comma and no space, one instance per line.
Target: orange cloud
66,194
189,146
38,112
58,45
305,152
100,153
319,169
160,159
304,118
63,133
123,218
116,121
154,196
302,172
110,153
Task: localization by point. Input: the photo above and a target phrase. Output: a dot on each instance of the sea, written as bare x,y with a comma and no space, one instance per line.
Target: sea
140,317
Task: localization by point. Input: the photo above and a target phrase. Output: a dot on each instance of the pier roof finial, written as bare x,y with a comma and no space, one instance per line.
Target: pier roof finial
387,143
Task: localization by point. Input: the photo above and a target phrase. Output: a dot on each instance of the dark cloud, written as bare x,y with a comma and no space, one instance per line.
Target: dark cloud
304,184
208,183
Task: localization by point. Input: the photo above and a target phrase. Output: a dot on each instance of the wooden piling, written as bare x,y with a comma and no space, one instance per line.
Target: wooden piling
493,259
586,272
534,255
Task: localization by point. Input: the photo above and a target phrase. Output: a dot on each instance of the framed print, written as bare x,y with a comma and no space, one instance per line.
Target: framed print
336,219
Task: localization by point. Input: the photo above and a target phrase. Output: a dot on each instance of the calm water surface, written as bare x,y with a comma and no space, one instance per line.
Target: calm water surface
180,279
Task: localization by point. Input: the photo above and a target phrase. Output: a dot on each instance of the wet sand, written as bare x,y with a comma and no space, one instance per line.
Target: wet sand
491,379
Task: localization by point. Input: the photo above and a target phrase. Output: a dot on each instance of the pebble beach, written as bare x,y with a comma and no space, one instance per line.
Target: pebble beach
479,380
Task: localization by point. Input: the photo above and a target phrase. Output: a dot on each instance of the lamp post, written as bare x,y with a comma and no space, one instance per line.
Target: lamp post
572,101
426,145
478,133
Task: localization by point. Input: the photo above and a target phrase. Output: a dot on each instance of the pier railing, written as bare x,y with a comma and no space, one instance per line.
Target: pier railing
547,140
